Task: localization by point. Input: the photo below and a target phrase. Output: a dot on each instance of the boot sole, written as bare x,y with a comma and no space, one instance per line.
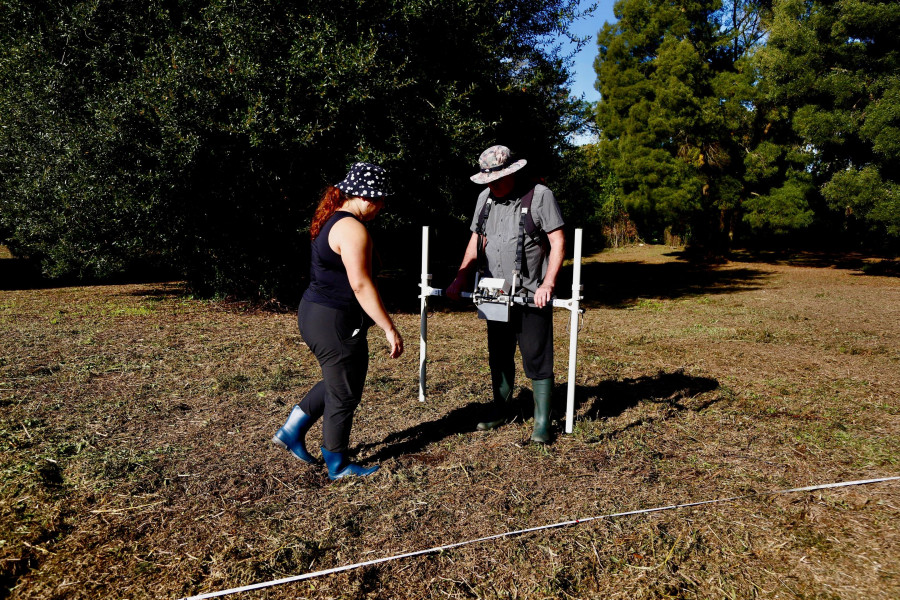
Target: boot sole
277,442
348,473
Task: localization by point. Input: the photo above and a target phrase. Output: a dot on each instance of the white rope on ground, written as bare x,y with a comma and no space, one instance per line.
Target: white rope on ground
257,586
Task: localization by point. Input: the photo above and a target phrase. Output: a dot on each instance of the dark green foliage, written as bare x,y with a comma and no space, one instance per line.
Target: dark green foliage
835,68
590,195
652,74
685,128
199,134
717,136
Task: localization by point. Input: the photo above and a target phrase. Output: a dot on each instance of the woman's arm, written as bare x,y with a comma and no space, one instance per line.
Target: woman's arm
353,243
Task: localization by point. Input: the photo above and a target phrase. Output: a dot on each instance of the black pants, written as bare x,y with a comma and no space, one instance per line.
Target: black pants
338,340
532,329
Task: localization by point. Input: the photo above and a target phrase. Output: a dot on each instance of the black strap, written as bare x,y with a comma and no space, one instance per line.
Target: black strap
520,244
530,225
482,237
482,218
526,222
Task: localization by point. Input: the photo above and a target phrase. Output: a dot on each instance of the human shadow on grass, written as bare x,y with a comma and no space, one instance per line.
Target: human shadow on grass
612,398
605,400
418,437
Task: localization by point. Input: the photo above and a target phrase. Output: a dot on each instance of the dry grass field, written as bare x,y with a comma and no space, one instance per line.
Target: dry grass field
135,459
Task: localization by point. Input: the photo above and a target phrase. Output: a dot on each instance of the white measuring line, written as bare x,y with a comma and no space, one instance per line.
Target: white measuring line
257,586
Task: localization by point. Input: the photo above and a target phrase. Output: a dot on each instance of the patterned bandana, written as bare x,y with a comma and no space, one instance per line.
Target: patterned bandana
495,164
366,181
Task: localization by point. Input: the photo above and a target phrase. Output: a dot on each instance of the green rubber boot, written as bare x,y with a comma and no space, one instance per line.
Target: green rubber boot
498,410
543,394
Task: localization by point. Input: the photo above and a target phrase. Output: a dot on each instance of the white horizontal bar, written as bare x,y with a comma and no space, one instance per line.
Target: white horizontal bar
557,302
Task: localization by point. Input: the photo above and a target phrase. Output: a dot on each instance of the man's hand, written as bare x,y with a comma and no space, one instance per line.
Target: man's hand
455,288
543,296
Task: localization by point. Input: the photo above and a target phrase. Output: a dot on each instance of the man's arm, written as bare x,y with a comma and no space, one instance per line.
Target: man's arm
544,294
465,269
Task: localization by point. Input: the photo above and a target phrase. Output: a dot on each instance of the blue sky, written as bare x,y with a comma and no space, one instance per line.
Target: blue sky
583,68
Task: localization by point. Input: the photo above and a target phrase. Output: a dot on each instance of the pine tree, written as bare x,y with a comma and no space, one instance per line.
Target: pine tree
834,67
651,71
684,126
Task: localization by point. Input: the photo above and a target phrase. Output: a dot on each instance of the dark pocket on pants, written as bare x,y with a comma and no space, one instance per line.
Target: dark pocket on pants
350,326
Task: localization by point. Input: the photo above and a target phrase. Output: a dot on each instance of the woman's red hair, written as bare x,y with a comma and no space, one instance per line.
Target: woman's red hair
332,199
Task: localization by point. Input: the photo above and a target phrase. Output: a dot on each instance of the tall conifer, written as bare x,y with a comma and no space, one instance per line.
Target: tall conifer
684,126
834,67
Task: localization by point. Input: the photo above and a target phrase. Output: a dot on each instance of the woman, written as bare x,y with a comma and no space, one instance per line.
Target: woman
335,314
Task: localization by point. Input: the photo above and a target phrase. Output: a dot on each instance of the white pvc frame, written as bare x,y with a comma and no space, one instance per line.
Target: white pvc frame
572,305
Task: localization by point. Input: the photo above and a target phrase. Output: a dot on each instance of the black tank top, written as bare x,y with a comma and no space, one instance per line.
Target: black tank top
328,282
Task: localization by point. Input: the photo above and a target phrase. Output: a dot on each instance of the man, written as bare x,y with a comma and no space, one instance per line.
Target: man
528,247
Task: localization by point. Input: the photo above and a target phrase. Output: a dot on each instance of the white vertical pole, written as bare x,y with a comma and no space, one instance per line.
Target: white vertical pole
573,333
423,320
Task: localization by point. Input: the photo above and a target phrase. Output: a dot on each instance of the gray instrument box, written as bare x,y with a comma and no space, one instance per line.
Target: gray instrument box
489,289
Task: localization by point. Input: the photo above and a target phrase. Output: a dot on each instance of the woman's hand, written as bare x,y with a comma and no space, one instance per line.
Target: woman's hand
395,341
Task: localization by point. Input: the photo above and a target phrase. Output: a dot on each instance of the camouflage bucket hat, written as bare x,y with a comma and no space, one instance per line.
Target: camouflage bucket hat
496,162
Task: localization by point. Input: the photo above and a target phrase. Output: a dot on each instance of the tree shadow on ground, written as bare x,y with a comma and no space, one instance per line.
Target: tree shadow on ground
606,400
864,264
25,274
617,284
20,274
621,284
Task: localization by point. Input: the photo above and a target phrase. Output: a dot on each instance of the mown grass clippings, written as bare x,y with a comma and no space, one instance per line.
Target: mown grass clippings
136,460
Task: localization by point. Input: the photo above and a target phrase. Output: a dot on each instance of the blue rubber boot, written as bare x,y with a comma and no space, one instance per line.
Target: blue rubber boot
292,435
340,466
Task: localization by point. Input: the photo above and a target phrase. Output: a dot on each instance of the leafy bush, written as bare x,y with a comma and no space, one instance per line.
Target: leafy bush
198,134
